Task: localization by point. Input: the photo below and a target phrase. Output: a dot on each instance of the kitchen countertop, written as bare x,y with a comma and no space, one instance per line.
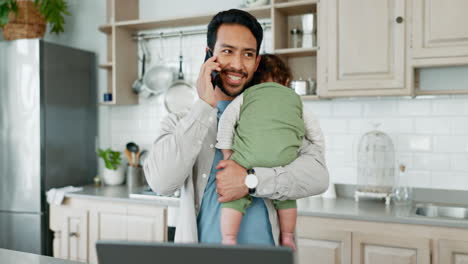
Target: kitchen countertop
121,194
10,256
370,210
340,208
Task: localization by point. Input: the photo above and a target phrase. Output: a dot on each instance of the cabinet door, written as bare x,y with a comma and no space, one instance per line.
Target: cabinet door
382,249
453,252
318,245
146,223
365,47
326,247
440,28
71,239
107,223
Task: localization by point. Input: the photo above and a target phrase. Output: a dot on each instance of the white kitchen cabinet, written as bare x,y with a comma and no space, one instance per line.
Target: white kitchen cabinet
70,228
146,223
318,245
79,223
452,251
363,48
440,30
380,249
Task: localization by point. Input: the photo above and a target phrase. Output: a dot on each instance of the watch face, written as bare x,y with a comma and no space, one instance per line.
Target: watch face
251,181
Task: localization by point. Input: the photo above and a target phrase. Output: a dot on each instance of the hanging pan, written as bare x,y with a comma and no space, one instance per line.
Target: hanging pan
180,96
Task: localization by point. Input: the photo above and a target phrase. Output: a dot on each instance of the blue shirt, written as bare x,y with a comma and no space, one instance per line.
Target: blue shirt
255,227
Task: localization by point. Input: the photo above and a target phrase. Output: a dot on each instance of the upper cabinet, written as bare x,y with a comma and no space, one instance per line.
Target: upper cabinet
440,30
363,48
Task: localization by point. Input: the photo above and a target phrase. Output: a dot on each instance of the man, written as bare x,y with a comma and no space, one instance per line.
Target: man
184,156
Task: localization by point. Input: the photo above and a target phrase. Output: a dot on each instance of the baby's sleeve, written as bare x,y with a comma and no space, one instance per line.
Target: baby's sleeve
227,123
313,130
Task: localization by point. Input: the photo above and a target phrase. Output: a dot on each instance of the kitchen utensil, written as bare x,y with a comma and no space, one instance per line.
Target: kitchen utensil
137,84
133,148
160,76
300,86
128,154
180,96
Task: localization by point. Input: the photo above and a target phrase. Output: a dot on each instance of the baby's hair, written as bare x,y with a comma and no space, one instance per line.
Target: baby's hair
272,66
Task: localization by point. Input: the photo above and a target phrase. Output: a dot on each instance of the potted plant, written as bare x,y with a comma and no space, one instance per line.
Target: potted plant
113,171
28,19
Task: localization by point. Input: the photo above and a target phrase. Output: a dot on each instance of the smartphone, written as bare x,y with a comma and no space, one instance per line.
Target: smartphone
215,79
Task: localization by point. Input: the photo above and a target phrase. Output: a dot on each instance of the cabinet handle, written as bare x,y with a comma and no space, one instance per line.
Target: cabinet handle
399,20
74,234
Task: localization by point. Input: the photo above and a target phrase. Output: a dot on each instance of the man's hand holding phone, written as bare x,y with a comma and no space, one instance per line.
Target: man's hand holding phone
205,86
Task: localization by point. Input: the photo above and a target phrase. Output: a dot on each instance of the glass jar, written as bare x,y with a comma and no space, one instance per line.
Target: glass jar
402,192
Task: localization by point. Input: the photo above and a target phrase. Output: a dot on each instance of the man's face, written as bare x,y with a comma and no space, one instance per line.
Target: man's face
236,48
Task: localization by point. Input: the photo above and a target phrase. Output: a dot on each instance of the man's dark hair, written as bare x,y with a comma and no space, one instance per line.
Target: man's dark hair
234,16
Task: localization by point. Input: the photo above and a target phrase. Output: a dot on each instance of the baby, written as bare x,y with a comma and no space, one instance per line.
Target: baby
264,127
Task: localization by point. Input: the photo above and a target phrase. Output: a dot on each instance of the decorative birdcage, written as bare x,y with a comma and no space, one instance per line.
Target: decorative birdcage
375,166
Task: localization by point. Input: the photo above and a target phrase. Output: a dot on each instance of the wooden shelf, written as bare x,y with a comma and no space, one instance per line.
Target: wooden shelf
107,28
107,66
107,103
296,52
297,7
137,25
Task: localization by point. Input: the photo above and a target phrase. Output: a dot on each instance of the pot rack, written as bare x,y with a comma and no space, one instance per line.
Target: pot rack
179,33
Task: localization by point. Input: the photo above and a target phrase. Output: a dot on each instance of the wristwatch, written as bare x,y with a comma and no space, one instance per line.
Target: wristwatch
251,181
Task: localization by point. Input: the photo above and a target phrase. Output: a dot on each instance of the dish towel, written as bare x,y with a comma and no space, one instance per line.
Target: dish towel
56,195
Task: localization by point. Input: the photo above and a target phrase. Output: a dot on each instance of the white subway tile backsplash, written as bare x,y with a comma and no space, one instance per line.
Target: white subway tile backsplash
459,162
434,125
421,179
383,108
439,162
450,180
417,143
333,125
450,144
345,175
459,125
450,107
346,109
414,107
320,109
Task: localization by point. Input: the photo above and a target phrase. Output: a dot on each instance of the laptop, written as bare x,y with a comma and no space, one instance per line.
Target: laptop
125,252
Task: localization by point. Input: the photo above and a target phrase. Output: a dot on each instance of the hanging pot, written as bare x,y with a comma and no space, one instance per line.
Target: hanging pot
160,76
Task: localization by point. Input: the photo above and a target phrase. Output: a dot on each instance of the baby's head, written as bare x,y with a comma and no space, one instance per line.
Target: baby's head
272,69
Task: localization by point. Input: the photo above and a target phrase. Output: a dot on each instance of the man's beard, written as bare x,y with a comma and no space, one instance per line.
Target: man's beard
220,84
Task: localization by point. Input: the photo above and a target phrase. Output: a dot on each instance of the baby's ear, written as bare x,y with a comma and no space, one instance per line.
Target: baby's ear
287,82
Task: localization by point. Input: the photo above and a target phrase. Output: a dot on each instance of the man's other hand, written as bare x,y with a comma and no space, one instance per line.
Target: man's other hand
230,181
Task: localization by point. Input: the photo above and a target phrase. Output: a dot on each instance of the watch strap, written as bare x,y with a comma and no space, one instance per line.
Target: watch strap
251,190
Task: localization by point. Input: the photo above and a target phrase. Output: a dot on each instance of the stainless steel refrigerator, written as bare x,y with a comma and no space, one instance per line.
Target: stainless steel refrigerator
47,134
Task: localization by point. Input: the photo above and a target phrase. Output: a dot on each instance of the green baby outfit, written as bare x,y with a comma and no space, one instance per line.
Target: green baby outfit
268,134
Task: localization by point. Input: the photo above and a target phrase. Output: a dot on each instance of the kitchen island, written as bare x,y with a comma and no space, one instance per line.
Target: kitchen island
17,257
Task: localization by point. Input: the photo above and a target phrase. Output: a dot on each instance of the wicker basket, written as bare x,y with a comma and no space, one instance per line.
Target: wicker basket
28,23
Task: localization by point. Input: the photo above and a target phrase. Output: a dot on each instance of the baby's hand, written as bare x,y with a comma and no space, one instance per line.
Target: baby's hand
226,153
